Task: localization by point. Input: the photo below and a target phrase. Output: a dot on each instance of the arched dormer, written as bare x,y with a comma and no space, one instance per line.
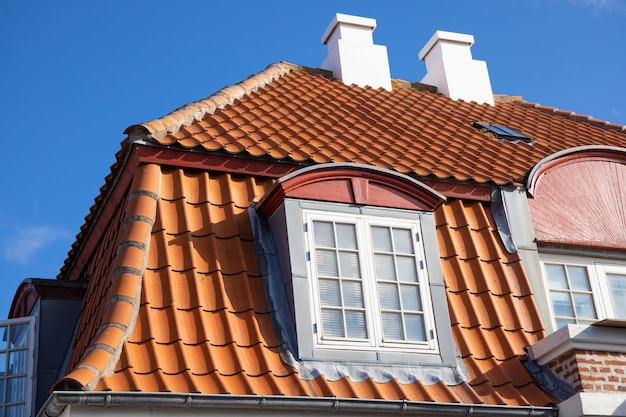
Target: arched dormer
353,276
579,198
352,184
578,211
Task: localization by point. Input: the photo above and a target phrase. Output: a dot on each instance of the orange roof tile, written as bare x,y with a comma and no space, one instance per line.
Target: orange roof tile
185,309
203,325
411,131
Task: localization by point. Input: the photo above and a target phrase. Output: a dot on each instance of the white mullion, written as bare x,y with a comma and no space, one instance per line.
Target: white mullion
371,285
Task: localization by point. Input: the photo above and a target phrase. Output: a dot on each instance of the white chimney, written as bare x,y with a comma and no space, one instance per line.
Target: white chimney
352,56
450,67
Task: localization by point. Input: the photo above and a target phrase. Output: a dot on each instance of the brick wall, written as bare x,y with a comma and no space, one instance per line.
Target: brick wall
591,371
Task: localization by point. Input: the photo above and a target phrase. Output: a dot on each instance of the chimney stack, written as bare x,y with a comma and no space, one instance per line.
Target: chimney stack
450,67
352,56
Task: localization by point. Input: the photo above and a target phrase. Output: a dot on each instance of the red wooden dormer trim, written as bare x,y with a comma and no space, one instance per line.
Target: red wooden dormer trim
352,184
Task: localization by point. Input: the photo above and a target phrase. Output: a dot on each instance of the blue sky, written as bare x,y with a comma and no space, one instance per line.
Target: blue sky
75,74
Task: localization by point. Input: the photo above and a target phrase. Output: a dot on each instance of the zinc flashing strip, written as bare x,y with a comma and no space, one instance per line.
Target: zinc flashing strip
266,405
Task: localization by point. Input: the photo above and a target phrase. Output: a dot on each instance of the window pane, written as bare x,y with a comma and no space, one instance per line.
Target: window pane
1,390
381,239
561,304
578,278
18,362
332,323
352,294
19,336
16,411
324,235
556,277
617,288
415,329
384,267
349,264
4,335
346,236
388,295
326,263
392,326
411,298
402,240
584,306
562,322
355,323
329,293
406,268
16,389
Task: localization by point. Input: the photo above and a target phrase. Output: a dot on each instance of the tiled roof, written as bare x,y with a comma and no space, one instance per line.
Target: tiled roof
290,114
184,308
203,325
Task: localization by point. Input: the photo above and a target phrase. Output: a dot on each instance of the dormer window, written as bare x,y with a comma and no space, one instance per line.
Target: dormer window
369,282
359,267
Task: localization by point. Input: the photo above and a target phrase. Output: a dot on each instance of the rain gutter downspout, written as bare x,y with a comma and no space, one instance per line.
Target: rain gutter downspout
58,400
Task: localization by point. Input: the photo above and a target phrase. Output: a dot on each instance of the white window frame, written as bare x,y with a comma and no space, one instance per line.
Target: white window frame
596,272
375,340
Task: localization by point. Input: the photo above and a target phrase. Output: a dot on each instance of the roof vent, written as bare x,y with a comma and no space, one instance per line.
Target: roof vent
352,56
450,67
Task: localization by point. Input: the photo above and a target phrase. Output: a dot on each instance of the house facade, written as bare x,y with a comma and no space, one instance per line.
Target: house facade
323,240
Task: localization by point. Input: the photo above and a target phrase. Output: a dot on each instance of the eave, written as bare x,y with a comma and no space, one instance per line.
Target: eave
145,403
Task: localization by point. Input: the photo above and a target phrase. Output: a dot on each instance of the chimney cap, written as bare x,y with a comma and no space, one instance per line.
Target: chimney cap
442,35
350,20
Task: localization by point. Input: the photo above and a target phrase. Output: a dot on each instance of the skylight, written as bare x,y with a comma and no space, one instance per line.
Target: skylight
503,133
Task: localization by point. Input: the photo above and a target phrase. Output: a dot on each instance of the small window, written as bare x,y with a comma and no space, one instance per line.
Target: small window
16,361
570,293
503,132
583,291
369,282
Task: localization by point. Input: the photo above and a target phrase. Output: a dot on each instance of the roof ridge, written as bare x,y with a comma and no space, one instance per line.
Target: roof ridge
567,114
194,111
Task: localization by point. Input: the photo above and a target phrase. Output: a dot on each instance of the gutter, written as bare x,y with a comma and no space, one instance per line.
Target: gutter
59,400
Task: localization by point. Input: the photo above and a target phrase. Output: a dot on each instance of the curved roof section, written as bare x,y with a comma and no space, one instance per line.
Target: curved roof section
112,301
294,114
201,323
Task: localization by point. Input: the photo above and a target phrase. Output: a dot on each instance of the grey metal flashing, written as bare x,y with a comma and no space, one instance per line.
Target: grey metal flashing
549,382
587,252
500,216
59,400
275,293
530,177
